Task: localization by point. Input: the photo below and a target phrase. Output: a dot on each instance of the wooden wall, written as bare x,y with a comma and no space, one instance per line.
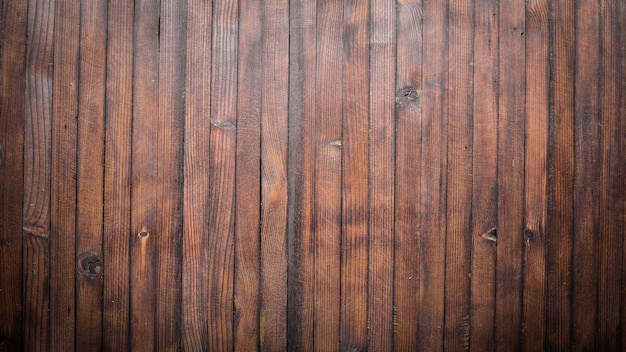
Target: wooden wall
312,175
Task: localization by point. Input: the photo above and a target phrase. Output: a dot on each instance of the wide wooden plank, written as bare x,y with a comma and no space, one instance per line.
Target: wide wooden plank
222,170
510,202
327,222
433,168
536,172
586,176
144,236
37,171
460,92
13,21
409,89
117,177
484,179
354,224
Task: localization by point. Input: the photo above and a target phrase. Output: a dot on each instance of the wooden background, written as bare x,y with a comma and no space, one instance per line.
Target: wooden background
312,175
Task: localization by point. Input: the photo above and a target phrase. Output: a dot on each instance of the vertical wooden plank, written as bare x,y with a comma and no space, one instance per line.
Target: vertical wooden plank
586,175
37,170
172,37
302,175
144,236
409,79
90,168
117,176
510,175
432,201
13,22
248,179
196,206
484,184
222,168
274,140
459,196
381,179
561,181
327,222
612,181
354,224
537,118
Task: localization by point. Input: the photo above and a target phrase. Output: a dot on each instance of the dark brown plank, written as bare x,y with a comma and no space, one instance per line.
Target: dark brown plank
37,170
302,175
222,171
381,179
248,179
536,172
409,87
274,119
612,181
196,205
144,235
460,162
117,177
327,222
13,21
510,175
432,201
484,187
90,167
560,182
586,176
354,225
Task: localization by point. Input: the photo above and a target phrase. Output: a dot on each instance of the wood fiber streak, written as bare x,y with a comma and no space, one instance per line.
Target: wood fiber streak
37,172
13,24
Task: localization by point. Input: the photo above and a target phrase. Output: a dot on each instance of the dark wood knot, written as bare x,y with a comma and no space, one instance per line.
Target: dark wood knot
405,96
90,264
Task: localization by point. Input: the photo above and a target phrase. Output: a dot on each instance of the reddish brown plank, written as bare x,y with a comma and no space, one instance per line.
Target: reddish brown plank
37,171
409,87
484,180
117,177
327,221
432,200
460,162
354,225
510,202
13,22
586,176
144,235
560,182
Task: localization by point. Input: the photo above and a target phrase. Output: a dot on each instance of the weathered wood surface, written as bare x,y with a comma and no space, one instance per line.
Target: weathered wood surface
330,175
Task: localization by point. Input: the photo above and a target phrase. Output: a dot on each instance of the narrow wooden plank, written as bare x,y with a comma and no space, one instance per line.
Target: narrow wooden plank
37,171
560,182
536,173
460,92
302,175
510,175
117,176
144,236
409,77
222,168
196,204
612,182
432,201
586,175
354,224
484,179
274,141
90,173
327,222
381,179
13,22
248,179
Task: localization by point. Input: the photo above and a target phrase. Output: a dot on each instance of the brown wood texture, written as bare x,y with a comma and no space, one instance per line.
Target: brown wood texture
329,175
